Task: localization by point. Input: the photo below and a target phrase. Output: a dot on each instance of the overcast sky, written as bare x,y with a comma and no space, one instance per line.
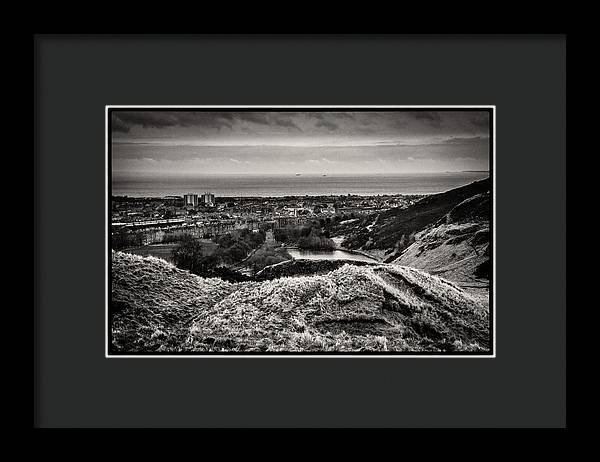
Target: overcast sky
192,143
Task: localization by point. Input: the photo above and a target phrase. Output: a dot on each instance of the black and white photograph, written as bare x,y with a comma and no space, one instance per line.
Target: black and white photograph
300,231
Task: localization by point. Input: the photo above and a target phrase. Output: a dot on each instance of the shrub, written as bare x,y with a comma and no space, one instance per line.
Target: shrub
126,239
316,243
189,255
268,255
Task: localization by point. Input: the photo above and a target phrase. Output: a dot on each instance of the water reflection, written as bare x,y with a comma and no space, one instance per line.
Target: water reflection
327,255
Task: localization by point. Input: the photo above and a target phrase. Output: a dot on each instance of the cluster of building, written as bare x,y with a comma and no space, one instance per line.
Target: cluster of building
206,199
205,215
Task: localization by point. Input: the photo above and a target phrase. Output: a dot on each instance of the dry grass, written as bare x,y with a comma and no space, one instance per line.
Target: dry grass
353,308
153,303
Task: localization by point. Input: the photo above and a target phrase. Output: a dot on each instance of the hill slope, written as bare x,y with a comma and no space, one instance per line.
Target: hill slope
352,308
457,246
382,234
153,302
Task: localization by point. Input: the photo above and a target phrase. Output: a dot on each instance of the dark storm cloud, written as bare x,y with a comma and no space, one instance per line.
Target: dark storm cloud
261,118
325,123
480,119
230,124
432,118
216,120
286,122
465,121
332,141
118,125
152,119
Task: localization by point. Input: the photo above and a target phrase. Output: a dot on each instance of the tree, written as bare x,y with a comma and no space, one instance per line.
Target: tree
280,235
306,231
316,243
226,241
188,254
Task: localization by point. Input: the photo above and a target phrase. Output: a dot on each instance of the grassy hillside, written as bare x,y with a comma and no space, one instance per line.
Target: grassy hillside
457,246
153,302
385,231
457,252
352,308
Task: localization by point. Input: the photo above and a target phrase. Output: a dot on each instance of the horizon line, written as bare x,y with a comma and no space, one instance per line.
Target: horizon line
300,173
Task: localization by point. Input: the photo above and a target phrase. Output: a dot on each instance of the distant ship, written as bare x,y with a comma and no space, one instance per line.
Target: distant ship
298,174
324,174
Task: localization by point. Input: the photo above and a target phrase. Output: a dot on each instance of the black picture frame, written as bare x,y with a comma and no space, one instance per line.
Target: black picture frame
76,76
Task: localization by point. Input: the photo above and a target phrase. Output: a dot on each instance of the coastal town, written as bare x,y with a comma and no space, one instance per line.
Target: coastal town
156,219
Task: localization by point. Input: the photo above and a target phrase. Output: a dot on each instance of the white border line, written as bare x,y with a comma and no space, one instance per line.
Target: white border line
106,264
258,355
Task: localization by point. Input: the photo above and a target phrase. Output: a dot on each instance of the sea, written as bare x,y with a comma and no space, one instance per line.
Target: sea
294,185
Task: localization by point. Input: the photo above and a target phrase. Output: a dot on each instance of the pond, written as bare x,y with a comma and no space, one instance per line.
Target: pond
327,255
